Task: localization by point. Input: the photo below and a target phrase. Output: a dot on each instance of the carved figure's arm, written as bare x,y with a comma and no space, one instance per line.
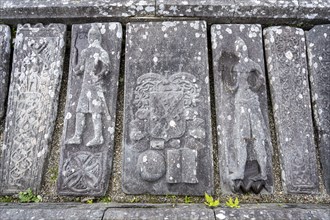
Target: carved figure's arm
80,67
105,64
231,81
260,78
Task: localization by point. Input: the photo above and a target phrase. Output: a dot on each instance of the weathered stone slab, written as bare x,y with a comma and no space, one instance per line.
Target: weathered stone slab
255,9
88,134
181,212
208,8
4,66
51,211
167,128
288,78
23,9
318,47
245,150
314,9
274,211
32,105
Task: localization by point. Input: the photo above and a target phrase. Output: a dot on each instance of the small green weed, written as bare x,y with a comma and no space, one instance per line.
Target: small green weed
90,201
105,199
28,196
6,199
232,204
210,202
134,200
187,199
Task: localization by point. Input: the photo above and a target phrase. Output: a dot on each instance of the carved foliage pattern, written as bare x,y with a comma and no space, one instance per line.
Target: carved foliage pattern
291,69
33,79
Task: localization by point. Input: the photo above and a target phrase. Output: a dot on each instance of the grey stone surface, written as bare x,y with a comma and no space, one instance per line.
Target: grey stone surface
314,9
192,8
51,211
255,9
17,9
88,134
4,66
245,150
32,105
188,212
288,78
167,128
116,211
318,47
265,11
275,212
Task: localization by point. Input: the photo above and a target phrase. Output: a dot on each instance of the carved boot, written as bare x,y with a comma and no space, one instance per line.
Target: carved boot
98,137
80,123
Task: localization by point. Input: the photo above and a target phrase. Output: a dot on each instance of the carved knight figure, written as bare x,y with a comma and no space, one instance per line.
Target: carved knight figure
249,132
94,64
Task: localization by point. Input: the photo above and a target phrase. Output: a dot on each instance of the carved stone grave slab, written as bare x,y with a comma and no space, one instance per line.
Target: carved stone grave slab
88,133
245,149
167,128
288,78
318,47
4,66
32,105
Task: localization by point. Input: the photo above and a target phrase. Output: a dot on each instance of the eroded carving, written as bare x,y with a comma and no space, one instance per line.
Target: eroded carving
167,138
33,97
83,171
94,64
88,136
318,47
244,137
166,103
249,132
286,55
5,36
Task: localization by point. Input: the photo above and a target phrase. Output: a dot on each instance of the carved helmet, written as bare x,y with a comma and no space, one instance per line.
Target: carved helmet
94,34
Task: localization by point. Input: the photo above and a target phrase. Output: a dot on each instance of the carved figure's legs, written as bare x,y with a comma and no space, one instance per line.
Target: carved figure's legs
241,133
259,146
98,137
80,124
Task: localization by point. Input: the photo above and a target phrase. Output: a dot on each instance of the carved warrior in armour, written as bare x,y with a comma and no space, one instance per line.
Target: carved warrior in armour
249,129
93,65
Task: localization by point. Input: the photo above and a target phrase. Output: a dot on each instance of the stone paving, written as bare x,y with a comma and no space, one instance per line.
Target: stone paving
211,105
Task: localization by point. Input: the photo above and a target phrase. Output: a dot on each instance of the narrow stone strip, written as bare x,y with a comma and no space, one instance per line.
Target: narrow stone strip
113,211
318,47
182,212
167,127
288,76
52,211
32,105
266,11
90,113
274,211
5,37
245,149
68,9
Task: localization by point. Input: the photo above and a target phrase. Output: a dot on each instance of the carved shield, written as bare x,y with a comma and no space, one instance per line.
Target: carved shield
166,115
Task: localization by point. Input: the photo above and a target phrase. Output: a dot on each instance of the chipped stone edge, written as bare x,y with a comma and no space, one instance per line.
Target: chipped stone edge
300,11
96,9
76,209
